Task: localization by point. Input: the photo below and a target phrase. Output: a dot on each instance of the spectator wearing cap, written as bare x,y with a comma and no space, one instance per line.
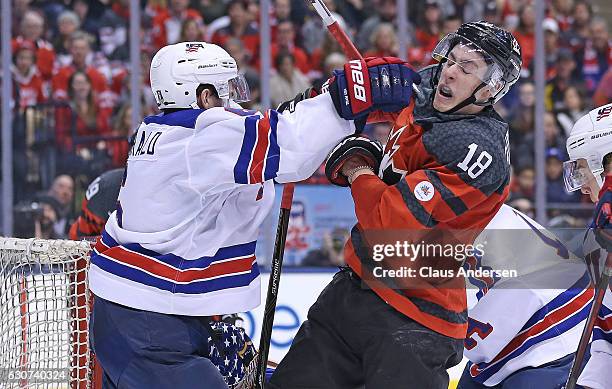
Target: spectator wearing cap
491,13
596,56
468,10
288,80
285,41
81,58
574,107
242,28
429,27
32,29
555,187
564,76
386,11
551,46
384,42
167,23
32,88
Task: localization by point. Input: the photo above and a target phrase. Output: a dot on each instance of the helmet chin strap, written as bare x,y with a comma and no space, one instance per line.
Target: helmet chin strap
468,101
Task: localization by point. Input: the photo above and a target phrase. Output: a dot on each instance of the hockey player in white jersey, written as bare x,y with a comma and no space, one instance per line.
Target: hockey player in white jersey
523,331
590,169
198,184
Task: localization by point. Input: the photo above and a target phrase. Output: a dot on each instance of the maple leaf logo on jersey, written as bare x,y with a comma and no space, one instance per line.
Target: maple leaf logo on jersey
388,172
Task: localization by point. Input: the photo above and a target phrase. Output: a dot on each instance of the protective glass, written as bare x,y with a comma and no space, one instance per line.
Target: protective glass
236,89
457,50
579,172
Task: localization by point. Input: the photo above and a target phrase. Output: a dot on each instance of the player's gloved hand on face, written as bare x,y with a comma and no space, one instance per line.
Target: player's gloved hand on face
353,146
289,105
602,222
371,84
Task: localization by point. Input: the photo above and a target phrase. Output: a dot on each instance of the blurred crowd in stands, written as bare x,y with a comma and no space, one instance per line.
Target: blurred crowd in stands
71,74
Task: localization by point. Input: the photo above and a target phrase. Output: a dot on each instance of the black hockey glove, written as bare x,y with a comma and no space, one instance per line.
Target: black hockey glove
370,151
289,105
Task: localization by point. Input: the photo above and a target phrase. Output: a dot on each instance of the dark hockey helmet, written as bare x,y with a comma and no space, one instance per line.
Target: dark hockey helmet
499,49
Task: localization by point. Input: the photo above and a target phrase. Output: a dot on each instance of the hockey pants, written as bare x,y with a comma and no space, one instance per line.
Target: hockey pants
353,339
141,349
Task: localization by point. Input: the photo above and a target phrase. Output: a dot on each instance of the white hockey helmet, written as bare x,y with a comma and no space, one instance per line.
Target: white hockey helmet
177,70
588,143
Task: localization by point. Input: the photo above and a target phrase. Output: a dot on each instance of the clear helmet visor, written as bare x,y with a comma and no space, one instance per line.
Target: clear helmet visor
580,172
235,88
470,58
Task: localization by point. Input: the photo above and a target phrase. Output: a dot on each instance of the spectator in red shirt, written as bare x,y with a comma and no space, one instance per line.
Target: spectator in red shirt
80,50
26,75
85,115
167,23
524,34
32,28
285,41
427,34
240,27
596,56
383,42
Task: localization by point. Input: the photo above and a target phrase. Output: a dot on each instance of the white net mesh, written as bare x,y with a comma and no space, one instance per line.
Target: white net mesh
44,312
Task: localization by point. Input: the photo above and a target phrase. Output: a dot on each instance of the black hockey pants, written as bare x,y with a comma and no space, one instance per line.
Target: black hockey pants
353,339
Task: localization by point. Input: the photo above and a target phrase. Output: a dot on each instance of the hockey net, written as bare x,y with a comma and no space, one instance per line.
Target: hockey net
44,315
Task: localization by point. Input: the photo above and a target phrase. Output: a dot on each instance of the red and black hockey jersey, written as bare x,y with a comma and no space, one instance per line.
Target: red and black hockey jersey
440,171
99,202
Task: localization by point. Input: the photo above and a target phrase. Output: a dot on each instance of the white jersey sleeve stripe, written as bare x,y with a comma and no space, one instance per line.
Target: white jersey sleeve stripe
563,313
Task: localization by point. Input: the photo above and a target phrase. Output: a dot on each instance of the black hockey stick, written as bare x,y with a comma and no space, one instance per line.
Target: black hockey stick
273,284
600,291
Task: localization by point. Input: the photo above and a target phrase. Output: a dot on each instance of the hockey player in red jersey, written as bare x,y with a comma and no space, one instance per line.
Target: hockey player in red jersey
445,166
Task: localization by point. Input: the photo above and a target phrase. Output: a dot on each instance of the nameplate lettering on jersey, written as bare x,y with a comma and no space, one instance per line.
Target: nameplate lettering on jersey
145,144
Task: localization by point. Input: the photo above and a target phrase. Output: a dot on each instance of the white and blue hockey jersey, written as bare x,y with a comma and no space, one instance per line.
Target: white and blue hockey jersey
198,185
530,320
597,374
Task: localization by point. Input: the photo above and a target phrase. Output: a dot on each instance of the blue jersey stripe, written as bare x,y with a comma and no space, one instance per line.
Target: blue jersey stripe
241,169
553,332
183,118
239,250
273,157
200,287
558,301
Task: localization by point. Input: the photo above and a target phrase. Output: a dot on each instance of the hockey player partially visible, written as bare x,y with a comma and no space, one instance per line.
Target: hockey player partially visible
590,169
445,166
198,184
